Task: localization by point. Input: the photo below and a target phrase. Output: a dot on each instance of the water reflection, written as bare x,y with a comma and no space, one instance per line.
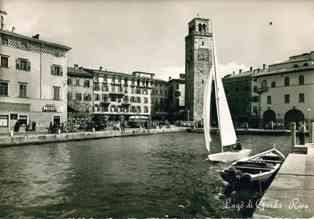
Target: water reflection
149,176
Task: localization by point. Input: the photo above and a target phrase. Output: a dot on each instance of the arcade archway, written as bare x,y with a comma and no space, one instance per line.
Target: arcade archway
268,116
293,115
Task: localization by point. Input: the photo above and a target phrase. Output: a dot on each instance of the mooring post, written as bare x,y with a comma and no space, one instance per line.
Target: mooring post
293,134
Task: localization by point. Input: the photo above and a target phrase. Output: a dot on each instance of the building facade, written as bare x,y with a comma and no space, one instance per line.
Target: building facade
176,98
197,65
287,88
80,90
159,99
242,98
33,81
118,94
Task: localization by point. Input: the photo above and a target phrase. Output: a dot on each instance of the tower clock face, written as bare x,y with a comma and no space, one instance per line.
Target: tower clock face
203,54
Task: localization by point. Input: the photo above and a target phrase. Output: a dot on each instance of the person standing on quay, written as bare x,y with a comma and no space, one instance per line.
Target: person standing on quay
302,130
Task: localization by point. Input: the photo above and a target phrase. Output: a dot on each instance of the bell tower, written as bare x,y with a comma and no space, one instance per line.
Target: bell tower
198,44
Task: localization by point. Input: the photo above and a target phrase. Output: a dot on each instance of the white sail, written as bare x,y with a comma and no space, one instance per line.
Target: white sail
226,128
206,108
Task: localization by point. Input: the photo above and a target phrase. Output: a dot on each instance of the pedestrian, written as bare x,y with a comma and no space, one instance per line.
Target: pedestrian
302,130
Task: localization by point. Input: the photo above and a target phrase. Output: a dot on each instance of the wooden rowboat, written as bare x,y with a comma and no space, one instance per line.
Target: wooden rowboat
257,168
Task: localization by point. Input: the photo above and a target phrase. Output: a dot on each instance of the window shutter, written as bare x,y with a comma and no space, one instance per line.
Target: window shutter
17,63
52,69
28,65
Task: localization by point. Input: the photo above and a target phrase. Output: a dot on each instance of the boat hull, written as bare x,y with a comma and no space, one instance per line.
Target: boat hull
229,156
258,168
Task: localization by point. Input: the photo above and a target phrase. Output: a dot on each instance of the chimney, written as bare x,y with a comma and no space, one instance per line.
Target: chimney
251,68
233,73
169,79
240,71
100,68
264,66
76,66
2,22
36,36
2,13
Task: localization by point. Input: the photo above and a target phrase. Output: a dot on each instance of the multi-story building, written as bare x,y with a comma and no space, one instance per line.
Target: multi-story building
119,94
242,98
33,81
80,90
176,106
159,99
286,90
197,65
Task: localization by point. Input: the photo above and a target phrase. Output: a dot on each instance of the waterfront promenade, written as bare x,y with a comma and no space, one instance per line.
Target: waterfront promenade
42,138
291,194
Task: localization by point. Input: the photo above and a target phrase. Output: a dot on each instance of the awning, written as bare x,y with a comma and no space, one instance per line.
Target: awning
138,118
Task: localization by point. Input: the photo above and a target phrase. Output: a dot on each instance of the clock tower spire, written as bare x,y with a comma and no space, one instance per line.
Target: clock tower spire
197,65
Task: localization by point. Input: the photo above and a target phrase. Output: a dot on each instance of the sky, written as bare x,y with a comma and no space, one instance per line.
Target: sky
138,35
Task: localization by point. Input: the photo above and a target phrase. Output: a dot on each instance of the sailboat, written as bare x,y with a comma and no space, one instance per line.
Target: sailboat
228,138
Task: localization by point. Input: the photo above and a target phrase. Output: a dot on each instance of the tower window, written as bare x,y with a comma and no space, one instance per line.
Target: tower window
204,27
200,27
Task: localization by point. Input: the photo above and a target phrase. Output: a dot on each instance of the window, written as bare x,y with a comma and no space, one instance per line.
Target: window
5,41
145,100
56,70
273,84
78,96
97,97
255,89
69,81
69,96
287,81
96,86
87,97
56,92
301,97
301,80
145,109
105,97
113,89
139,110
3,88
264,84
287,98
305,64
4,61
268,99
86,83
23,64
138,99
77,82
22,90
296,66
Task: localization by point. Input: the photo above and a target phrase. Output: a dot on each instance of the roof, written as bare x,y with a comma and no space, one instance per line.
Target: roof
98,71
78,72
285,70
35,40
243,74
180,80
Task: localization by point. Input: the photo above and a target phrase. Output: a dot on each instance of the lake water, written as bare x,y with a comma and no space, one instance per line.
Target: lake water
145,176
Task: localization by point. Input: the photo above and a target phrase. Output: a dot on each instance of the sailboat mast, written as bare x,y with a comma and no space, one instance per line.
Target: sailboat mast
215,81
